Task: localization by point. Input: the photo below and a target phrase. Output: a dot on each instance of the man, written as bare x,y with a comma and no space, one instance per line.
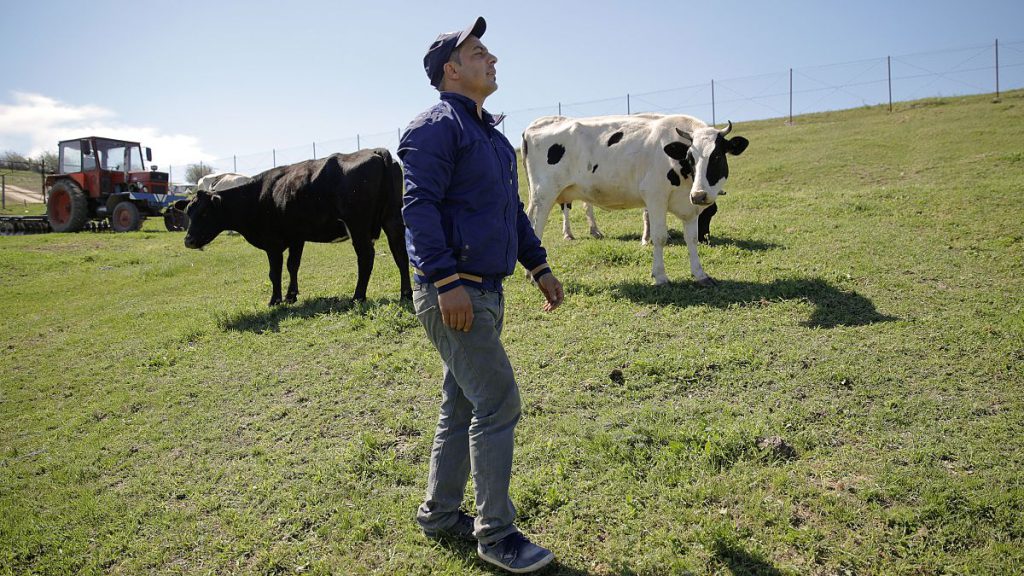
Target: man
465,230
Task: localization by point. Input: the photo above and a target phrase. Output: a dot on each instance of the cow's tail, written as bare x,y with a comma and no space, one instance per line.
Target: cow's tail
391,190
529,187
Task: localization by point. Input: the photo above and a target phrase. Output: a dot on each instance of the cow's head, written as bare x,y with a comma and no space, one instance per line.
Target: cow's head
204,218
701,156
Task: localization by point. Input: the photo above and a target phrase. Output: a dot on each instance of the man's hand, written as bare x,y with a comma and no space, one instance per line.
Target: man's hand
457,308
552,290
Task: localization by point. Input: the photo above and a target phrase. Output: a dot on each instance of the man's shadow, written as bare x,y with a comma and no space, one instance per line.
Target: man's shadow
269,320
832,306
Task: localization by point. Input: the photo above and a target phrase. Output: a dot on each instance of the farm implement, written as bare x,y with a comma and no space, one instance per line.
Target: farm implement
101,184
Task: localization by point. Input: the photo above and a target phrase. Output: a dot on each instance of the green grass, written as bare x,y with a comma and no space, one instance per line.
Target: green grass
156,417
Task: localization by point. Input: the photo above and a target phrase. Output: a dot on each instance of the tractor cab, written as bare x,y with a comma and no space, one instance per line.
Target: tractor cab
105,180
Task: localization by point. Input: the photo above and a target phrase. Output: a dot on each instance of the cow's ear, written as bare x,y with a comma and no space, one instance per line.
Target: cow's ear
180,205
676,150
737,145
215,199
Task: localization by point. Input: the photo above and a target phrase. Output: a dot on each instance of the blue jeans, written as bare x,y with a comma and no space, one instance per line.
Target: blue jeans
480,407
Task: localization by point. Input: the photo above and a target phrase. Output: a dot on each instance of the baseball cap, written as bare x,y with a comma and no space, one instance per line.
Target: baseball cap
441,50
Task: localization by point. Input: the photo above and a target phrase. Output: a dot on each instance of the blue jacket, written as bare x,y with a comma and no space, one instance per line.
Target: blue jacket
464,221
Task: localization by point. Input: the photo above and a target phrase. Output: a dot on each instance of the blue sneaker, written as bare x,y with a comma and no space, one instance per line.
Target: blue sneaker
461,530
516,554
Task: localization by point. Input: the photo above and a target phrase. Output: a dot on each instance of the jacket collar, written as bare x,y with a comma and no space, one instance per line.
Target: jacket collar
470,106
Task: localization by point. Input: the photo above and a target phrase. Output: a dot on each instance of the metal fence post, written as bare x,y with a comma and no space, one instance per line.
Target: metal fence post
628,112
997,68
3,191
42,177
888,66
713,102
314,150
358,146
790,95
234,163
274,152
559,108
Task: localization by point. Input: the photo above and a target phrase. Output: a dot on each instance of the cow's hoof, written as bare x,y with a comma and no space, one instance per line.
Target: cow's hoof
568,237
707,282
597,234
359,298
291,298
660,281
274,301
407,295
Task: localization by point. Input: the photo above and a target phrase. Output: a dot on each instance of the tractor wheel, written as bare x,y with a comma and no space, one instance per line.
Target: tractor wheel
67,207
175,220
125,217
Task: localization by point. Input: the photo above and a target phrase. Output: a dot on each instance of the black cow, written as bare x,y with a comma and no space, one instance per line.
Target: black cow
341,196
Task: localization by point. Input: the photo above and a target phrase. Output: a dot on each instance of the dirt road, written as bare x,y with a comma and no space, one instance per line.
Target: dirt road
16,195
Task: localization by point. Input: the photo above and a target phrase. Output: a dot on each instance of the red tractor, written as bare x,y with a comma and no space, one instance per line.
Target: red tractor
104,179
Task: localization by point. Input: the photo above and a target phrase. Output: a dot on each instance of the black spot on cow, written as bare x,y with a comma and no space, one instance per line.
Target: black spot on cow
555,153
676,150
594,170
615,139
718,166
673,177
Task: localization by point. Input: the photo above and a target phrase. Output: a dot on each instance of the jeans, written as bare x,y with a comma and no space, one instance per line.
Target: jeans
480,407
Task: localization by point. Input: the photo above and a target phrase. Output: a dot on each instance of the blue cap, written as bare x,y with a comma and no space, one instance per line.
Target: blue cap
441,50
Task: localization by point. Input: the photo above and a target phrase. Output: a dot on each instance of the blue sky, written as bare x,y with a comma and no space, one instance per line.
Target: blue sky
208,80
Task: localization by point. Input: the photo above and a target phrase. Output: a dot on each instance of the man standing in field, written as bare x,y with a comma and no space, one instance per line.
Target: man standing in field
465,230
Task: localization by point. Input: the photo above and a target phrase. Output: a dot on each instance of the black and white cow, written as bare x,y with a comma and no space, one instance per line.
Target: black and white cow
338,197
664,163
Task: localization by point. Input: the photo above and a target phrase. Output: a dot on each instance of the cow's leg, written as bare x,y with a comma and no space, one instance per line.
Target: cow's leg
364,257
276,258
541,207
645,238
294,259
690,233
594,231
704,224
395,232
659,237
566,229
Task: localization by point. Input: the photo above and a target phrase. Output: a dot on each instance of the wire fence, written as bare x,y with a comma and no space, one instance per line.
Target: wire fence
991,68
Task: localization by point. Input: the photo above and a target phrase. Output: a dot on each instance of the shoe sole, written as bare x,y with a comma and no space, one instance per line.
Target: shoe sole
531,568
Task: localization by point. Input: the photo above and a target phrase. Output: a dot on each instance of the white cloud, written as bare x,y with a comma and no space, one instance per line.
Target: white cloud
34,123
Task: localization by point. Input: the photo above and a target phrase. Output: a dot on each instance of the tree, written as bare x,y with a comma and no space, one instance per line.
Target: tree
11,160
49,161
196,171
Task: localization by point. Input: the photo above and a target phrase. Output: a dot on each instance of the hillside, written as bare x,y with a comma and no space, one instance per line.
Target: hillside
156,417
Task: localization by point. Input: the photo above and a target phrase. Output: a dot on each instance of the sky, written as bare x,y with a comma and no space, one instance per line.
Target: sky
264,82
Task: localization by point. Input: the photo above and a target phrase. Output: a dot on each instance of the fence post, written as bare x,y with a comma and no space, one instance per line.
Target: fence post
234,163
314,150
358,146
42,178
790,95
713,102
888,66
997,68
559,108
3,191
274,152
628,111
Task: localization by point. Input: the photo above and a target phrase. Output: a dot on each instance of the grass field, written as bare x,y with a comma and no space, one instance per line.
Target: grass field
157,418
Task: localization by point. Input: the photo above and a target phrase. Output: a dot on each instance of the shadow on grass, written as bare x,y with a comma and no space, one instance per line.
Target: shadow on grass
832,306
743,563
467,551
675,237
269,319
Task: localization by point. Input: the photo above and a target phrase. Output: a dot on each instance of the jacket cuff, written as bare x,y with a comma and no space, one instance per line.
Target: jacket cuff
539,271
447,283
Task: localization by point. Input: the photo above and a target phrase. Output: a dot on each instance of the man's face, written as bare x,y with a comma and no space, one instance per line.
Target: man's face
476,74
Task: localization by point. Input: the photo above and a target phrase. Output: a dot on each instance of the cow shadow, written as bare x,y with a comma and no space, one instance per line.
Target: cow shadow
742,563
269,320
675,237
832,306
